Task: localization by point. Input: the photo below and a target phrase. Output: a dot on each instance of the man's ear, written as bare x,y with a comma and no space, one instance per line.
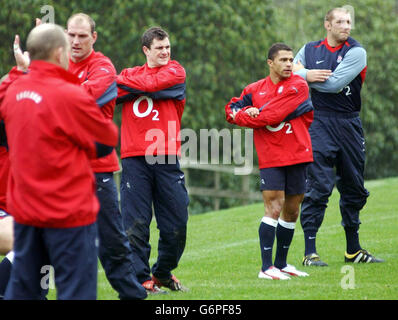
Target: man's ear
327,25
57,55
145,50
95,35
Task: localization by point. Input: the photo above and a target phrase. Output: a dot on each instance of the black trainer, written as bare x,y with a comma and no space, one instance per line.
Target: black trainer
152,288
362,256
172,283
313,260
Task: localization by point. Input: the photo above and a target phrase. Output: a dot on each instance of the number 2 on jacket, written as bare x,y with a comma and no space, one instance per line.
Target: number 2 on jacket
148,111
280,126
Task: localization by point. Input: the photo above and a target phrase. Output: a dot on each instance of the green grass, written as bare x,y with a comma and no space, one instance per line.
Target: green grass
222,256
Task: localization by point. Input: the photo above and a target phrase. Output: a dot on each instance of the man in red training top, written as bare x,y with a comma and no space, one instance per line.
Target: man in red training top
280,112
97,76
53,128
154,100
6,220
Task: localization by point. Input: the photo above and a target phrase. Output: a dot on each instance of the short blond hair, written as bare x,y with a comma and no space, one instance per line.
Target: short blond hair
82,17
330,14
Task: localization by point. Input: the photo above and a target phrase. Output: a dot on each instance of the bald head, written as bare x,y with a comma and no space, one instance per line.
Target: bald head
46,42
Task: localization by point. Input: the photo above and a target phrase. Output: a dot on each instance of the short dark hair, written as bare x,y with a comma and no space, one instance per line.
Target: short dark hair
275,48
153,33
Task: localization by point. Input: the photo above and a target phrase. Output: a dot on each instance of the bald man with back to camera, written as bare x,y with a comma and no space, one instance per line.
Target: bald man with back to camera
53,130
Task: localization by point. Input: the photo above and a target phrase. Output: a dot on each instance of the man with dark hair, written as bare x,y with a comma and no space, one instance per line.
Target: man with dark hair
153,33
53,129
275,48
279,110
335,69
153,97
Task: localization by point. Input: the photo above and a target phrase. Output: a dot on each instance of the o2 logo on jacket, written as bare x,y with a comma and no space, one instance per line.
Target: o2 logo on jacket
280,127
148,111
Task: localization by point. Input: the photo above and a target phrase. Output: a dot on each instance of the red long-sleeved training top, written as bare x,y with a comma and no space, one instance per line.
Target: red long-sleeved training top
52,128
154,100
97,76
278,142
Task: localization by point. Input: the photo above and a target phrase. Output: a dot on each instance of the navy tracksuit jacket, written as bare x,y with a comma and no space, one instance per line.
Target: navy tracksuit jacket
337,137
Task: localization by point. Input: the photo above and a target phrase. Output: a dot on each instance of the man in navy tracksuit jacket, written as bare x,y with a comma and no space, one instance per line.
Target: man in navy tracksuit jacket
335,69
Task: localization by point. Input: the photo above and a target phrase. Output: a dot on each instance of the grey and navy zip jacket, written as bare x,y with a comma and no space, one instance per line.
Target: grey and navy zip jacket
341,92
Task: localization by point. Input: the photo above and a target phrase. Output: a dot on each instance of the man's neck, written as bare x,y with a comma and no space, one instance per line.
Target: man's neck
77,60
275,78
333,42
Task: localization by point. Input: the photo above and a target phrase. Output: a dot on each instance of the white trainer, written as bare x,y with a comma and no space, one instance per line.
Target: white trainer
273,273
292,271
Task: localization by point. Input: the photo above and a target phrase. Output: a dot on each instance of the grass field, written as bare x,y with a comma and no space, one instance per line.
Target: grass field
222,256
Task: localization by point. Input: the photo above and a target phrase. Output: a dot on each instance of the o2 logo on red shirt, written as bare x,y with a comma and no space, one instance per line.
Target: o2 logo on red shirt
280,127
148,111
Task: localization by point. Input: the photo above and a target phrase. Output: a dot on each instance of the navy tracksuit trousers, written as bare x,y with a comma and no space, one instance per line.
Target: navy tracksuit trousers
114,249
161,184
339,159
71,252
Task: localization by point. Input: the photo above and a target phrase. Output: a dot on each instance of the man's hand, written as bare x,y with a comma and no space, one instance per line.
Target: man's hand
22,59
252,112
313,75
233,114
318,75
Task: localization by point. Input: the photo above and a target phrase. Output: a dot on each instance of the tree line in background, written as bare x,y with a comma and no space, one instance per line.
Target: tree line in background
223,46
